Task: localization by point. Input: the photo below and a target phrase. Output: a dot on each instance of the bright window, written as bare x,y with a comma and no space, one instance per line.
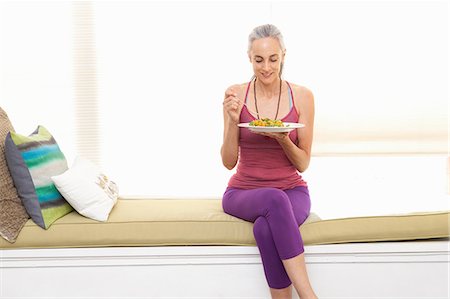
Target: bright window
137,86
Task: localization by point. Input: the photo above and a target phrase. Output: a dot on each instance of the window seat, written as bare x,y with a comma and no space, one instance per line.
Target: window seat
141,252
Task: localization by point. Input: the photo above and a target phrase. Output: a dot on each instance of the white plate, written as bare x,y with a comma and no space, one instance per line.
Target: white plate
287,127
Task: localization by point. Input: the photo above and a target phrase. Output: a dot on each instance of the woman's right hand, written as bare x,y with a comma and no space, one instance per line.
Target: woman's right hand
232,105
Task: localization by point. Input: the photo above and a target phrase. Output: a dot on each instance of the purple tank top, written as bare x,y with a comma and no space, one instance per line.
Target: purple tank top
262,161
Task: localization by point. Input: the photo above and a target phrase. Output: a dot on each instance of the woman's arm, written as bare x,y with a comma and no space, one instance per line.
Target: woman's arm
300,154
232,106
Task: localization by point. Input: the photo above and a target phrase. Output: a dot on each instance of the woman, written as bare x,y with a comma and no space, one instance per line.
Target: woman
267,188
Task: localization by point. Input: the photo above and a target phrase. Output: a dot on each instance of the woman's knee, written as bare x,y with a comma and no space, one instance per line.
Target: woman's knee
277,199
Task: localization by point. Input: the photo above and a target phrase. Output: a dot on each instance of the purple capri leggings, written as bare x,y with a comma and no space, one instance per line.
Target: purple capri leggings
277,215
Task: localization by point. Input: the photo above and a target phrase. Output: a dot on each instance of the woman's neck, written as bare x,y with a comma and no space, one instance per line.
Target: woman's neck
268,90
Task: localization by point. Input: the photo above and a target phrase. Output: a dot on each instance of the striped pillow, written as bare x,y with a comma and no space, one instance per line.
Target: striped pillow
32,161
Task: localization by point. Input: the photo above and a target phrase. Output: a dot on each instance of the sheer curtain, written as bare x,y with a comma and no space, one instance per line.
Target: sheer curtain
36,79
137,86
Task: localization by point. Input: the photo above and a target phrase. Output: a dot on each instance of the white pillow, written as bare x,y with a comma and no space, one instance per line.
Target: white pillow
87,189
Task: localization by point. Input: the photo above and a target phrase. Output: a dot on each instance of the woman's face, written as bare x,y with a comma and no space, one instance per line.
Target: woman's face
266,57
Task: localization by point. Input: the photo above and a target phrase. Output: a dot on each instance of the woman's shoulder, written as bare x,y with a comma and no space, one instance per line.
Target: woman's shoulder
303,97
302,94
301,90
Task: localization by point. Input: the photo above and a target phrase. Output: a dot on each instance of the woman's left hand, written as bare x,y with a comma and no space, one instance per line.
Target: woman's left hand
280,137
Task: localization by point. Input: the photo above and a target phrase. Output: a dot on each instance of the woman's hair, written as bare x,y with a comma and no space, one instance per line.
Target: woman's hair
267,30
263,31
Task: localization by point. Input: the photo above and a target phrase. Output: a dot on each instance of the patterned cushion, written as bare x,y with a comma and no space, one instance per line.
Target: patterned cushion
32,161
13,215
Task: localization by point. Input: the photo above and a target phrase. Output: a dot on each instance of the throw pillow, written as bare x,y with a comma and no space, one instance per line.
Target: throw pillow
13,215
32,161
87,189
